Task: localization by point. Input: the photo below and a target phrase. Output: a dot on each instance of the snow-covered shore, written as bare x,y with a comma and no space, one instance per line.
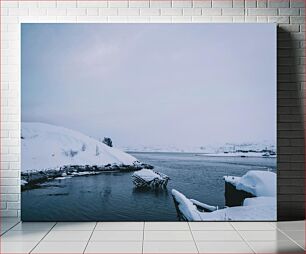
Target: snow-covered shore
49,151
243,149
261,184
240,154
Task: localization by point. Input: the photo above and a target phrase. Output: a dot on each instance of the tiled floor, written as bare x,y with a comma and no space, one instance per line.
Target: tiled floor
152,237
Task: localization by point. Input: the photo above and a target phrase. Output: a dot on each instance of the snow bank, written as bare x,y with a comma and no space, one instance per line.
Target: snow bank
45,146
263,208
258,183
260,201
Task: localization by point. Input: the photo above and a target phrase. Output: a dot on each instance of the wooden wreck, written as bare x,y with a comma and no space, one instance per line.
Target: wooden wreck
148,178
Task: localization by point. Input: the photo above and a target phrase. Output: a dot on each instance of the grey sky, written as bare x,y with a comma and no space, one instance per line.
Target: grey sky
152,84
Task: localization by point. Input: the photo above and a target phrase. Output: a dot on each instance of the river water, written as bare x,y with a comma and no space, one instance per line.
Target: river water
112,197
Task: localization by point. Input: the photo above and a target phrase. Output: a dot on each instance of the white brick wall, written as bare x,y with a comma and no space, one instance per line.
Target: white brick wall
288,13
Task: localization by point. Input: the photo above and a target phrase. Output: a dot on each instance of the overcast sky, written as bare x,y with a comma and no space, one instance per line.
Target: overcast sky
152,84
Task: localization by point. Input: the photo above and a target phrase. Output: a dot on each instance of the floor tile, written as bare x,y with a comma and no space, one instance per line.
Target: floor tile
276,247
169,247
301,243
273,235
114,247
211,226
3,230
33,226
291,225
100,236
23,236
297,235
253,225
63,226
120,226
224,247
60,247
69,236
7,225
216,236
17,247
166,226
167,236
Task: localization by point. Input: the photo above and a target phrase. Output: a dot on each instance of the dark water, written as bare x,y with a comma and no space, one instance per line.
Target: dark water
112,196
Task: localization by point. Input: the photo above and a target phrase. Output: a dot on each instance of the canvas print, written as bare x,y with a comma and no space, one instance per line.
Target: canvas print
148,122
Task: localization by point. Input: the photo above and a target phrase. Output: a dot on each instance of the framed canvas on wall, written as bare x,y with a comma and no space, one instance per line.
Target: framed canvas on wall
148,122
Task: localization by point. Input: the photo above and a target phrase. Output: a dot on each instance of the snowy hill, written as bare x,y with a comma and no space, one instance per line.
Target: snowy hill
45,146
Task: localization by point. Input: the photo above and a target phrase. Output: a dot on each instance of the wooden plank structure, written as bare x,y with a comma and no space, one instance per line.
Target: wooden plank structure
195,207
148,178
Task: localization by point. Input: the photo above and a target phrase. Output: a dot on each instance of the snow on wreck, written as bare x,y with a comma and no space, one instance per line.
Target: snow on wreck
259,205
148,178
50,151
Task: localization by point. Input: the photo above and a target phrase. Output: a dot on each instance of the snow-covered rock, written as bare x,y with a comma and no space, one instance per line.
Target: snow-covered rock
46,146
259,183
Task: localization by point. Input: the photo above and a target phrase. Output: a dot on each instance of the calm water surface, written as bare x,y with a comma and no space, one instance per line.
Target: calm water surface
112,196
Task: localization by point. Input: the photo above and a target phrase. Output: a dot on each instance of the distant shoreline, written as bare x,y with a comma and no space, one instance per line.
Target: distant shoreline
250,155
